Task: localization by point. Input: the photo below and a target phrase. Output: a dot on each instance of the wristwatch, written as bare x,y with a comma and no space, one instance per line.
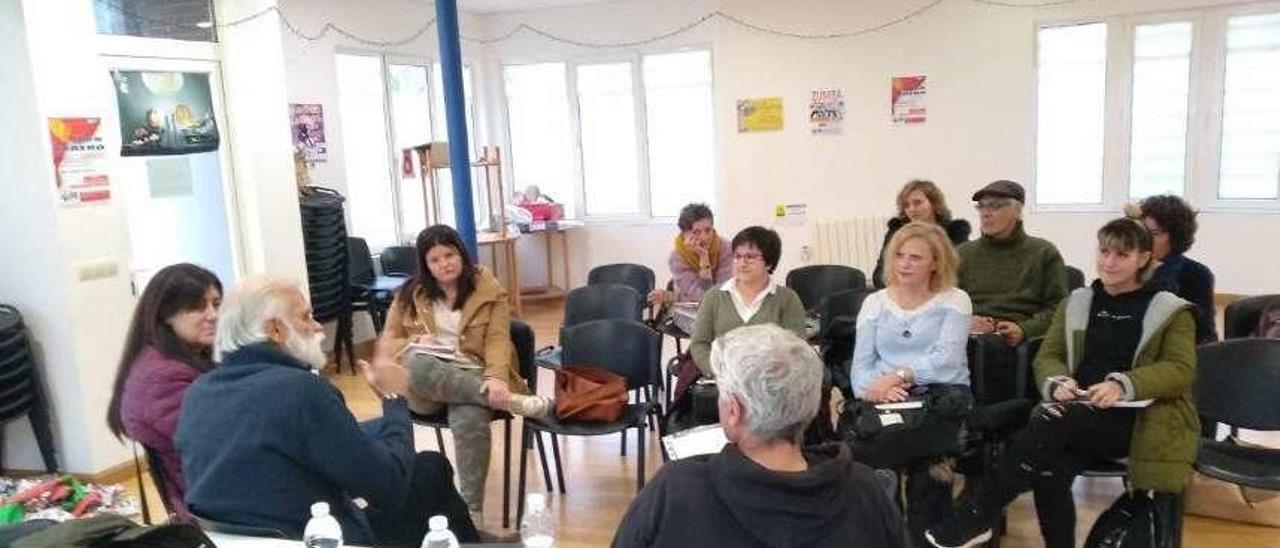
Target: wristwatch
392,397
901,373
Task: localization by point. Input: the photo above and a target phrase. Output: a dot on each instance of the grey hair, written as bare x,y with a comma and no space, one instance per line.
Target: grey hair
775,375
246,309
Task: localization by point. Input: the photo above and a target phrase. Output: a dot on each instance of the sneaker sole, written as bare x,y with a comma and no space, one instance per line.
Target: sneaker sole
984,537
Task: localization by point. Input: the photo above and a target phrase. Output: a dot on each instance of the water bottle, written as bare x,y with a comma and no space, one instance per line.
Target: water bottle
322,530
439,536
538,528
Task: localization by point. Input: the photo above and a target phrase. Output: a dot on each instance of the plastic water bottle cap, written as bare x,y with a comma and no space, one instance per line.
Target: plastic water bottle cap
319,509
536,500
438,523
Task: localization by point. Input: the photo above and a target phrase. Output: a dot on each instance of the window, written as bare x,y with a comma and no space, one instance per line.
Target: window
411,115
681,130
607,118
538,124
444,177
1161,88
362,111
173,19
1069,130
1184,102
1251,109
642,141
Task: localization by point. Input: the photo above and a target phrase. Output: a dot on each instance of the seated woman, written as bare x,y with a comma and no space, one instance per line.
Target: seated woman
1119,340
921,201
701,258
452,303
911,339
170,343
750,297
1172,224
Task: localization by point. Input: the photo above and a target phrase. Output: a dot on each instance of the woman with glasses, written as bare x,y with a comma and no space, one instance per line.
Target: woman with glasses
750,297
921,201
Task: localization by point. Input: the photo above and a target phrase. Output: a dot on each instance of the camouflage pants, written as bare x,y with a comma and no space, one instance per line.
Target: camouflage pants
436,385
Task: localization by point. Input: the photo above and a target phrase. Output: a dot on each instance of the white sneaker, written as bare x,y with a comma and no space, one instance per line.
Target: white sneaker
534,407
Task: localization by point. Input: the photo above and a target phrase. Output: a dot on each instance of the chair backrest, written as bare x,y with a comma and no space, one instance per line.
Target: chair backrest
1075,278
216,526
635,276
359,261
625,347
838,315
399,260
1237,381
1240,318
522,338
601,302
815,282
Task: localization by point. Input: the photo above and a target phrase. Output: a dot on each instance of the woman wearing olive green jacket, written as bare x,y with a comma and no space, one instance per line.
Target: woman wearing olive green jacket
1115,370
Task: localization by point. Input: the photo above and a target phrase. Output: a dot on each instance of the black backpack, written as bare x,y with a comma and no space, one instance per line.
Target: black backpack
1138,519
112,531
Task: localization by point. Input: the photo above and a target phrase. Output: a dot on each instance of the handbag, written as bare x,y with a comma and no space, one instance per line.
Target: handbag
925,426
589,394
1138,519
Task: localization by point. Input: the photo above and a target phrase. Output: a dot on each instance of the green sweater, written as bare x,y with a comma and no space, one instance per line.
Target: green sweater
717,316
1020,278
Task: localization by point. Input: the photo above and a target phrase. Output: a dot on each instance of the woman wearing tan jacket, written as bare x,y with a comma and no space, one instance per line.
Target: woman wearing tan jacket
459,311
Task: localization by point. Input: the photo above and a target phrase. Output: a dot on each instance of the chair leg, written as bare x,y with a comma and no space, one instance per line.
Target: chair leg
555,451
506,473
39,417
524,456
440,441
640,443
542,457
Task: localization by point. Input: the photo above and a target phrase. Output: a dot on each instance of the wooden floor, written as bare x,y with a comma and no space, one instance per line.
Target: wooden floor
600,484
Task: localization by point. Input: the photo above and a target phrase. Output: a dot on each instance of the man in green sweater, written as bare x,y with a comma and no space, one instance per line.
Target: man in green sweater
1014,280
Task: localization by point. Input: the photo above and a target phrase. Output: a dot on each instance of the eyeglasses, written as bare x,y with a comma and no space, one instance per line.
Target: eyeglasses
748,257
991,206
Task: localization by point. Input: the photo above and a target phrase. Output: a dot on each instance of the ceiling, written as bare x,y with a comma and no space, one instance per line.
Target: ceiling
493,6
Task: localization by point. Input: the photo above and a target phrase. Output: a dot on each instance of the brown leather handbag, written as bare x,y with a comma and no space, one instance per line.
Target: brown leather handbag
589,394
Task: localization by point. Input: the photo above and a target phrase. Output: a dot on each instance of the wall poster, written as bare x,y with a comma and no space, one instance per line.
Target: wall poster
163,113
79,156
826,111
763,114
908,100
307,121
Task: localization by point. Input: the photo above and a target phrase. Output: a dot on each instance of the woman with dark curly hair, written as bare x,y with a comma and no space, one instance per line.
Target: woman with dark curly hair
1172,224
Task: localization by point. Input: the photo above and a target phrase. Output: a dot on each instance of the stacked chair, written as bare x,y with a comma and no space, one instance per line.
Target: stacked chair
324,235
20,390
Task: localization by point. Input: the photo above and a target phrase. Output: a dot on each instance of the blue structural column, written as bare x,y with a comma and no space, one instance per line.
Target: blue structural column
456,116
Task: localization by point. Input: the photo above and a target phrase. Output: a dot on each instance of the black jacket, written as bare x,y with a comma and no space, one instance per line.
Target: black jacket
1187,278
957,229
728,500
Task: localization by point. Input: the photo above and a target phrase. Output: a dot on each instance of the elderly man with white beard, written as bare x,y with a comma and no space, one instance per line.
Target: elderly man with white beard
262,438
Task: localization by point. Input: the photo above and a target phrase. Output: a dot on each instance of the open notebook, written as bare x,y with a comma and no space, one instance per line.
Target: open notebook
701,440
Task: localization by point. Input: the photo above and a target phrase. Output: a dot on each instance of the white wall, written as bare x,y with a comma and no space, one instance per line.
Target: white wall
980,63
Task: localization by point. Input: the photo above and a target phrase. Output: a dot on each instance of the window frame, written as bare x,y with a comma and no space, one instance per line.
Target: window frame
1205,97
635,59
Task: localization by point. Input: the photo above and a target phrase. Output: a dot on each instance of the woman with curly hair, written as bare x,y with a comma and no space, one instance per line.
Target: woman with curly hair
1172,224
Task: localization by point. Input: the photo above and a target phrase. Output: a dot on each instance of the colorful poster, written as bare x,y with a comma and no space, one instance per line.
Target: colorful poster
164,113
908,101
826,112
80,174
307,121
759,114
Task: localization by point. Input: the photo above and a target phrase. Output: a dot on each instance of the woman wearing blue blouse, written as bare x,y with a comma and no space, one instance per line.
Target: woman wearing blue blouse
911,339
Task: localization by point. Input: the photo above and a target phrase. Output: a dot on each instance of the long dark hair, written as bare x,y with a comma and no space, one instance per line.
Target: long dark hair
175,288
430,237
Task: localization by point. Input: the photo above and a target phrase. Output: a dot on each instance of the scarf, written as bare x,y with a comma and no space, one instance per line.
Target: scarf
691,257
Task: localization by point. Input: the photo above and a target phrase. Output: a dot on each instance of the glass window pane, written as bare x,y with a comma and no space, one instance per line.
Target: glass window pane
173,19
444,178
607,118
362,111
1069,118
681,130
1161,80
411,126
538,123
1251,109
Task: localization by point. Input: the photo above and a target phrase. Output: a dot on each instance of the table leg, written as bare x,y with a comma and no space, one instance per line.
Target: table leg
551,278
564,252
513,270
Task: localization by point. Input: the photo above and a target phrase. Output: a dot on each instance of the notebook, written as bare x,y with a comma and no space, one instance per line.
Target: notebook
702,440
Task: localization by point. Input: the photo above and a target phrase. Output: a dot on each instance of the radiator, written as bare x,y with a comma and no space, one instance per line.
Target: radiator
853,242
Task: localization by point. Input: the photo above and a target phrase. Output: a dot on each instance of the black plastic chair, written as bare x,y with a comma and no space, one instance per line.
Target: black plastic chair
1075,278
1236,384
522,338
837,327
635,276
225,528
21,392
814,283
1240,318
589,303
399,260
630,349
369,292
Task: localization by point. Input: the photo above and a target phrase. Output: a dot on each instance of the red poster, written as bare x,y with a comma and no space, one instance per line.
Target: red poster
79,161
908,100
